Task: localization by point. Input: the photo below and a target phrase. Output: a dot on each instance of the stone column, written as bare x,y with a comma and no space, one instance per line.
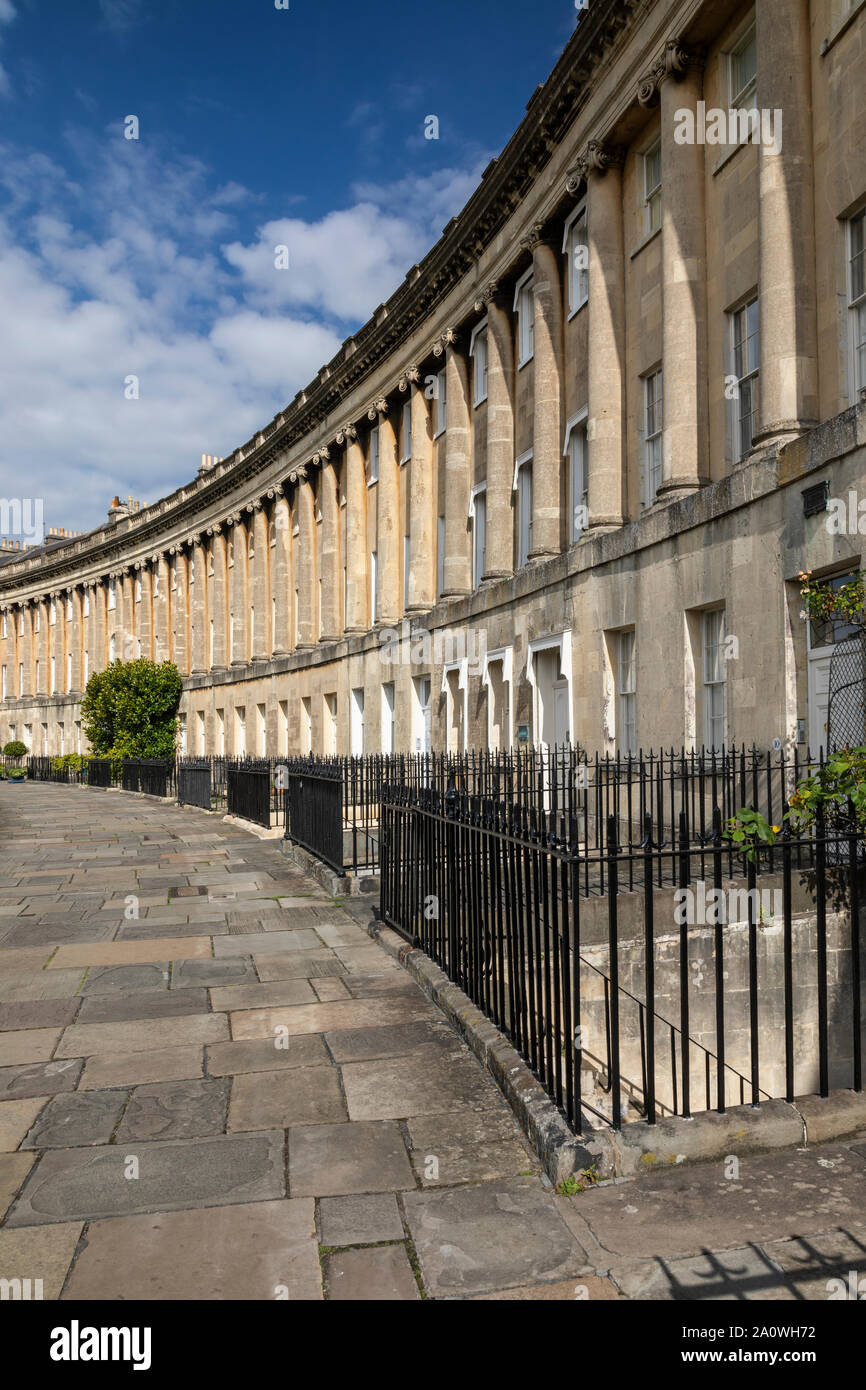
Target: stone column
100,594
57,643
180,612
162,611
788,383
41,648
145,610
331,616
199,608
388,528
281,574
547,404
25,651
422,526
685,437
458,555
305,567
357,580
239,599
130,617
500,434
601,170
259,586
219,610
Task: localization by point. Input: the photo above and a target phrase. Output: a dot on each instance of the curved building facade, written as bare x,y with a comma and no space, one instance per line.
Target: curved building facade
561,485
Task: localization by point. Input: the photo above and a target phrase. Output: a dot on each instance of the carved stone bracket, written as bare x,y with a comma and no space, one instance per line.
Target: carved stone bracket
533,237
410,375
487,295
321,456
379,407
346,434
297,475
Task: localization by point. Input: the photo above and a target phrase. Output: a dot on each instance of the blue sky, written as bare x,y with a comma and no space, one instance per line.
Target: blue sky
154,257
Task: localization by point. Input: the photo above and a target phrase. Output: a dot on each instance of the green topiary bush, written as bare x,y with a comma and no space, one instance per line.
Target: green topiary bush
15,749
130,709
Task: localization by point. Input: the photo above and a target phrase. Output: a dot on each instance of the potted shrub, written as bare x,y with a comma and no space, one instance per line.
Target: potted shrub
15,749
15,775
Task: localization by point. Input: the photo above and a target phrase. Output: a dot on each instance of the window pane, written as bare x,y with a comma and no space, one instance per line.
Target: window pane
858,261
744,68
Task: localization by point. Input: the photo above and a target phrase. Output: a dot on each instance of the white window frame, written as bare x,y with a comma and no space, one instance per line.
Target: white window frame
652,194
626,693
4,633
69,605
716,683
112,595
753,377
388,717
52,618
407,558
441,403
578,470
746,97
856,308
462,667
478,517
37,621
561,642
138,588
479,352
406,432
524,307
357,721
374,457
524,507
652,434
506,656
374,586
578,276
68,672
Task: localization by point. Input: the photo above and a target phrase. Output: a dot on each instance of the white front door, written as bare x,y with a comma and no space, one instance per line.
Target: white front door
819,698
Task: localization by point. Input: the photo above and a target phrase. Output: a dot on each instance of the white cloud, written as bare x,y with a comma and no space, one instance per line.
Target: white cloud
7,14
129,272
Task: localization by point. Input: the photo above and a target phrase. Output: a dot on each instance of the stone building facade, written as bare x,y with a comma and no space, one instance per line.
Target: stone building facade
554,488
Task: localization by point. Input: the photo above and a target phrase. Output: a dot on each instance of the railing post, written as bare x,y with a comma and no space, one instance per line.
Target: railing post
649,970
720,959
684,967
613,965
854,870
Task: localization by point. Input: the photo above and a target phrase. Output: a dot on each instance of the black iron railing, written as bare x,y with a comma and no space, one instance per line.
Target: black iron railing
194,783
701,1003
314,805
248,792
148,775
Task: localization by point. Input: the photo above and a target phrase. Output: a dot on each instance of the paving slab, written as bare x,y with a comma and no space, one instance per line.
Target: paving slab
587,1288
277,943
392,1040
254,996
29,1045
39,1078
745,1274
378,1275
59,930
328,990
24,959
237,971
336,1160
425,1084
472,1146
13,1170
82,1184
305,965
326,1018
263,1054
141,1035
394,981
258,1251
30,985
139,1068
71,1121
126,979
118,1008
132,952
491,1236
297,1096
40,1252
175,1110
360,1220
16,1118
40,1013
814,1265
774,1192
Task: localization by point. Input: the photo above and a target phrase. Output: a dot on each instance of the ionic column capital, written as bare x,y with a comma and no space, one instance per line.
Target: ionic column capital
409,377
597,158
447,339
346,434
674,61
379,407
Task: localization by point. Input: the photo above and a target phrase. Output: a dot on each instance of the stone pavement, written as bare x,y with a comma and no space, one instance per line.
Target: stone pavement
214,1085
